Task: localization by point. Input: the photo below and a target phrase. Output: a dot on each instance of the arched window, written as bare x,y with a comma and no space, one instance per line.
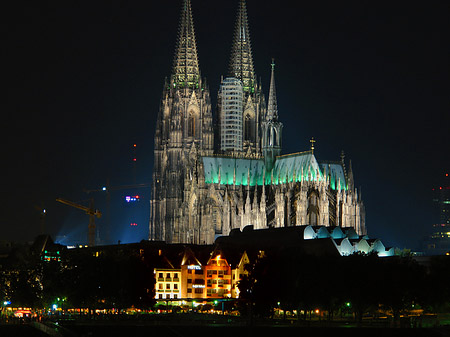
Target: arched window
191,125
247,127
313,209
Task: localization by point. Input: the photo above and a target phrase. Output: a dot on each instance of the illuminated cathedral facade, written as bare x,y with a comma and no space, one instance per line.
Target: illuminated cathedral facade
215,174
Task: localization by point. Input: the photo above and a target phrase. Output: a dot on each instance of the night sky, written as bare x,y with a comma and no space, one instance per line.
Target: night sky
84,82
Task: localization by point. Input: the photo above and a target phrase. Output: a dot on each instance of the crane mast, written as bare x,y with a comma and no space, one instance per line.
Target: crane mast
91,211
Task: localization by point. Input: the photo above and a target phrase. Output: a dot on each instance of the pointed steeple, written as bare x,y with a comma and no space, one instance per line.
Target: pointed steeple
350,179
272,108
241,64
186,72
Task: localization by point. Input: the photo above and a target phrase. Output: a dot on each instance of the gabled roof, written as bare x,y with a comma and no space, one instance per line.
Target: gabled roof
296,167
229,167
335,173
287,168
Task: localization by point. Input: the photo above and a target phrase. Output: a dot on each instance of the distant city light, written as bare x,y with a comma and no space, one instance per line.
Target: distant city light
131,198
133,224
104,188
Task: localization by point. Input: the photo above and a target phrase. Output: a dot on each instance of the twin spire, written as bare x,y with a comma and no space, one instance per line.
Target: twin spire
186,72
241,63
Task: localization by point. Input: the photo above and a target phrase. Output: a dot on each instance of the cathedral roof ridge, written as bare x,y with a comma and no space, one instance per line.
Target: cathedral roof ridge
295,154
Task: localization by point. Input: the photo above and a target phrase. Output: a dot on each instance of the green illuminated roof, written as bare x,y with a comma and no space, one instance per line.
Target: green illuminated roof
296,167
229,167
335,173
288,168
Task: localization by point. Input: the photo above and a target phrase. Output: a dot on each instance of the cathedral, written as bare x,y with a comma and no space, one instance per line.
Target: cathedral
216,173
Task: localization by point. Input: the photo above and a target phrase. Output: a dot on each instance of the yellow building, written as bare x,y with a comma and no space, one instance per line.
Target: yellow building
168,283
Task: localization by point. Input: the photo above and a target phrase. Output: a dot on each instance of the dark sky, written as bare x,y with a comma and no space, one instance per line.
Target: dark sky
84,81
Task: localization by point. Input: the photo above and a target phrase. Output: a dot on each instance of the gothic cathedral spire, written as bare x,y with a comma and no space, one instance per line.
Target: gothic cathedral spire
241,67
271,127
186,72
241,64
183,132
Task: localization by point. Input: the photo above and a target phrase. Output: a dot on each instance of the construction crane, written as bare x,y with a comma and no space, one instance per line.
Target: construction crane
91,211
108,189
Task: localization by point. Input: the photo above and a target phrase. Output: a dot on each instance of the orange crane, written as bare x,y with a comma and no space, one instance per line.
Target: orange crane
91,211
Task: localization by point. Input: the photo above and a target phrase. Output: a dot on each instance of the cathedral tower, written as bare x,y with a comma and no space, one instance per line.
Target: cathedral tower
241,67
184,126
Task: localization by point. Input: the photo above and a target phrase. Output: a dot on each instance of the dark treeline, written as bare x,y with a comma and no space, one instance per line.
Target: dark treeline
81,280
358,283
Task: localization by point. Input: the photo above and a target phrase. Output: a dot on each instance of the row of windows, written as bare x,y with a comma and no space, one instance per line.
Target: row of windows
161,286
168,275
168,296
217,272
220,292
196,281
220,282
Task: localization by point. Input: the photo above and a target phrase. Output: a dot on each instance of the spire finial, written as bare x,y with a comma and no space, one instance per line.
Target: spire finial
312,141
